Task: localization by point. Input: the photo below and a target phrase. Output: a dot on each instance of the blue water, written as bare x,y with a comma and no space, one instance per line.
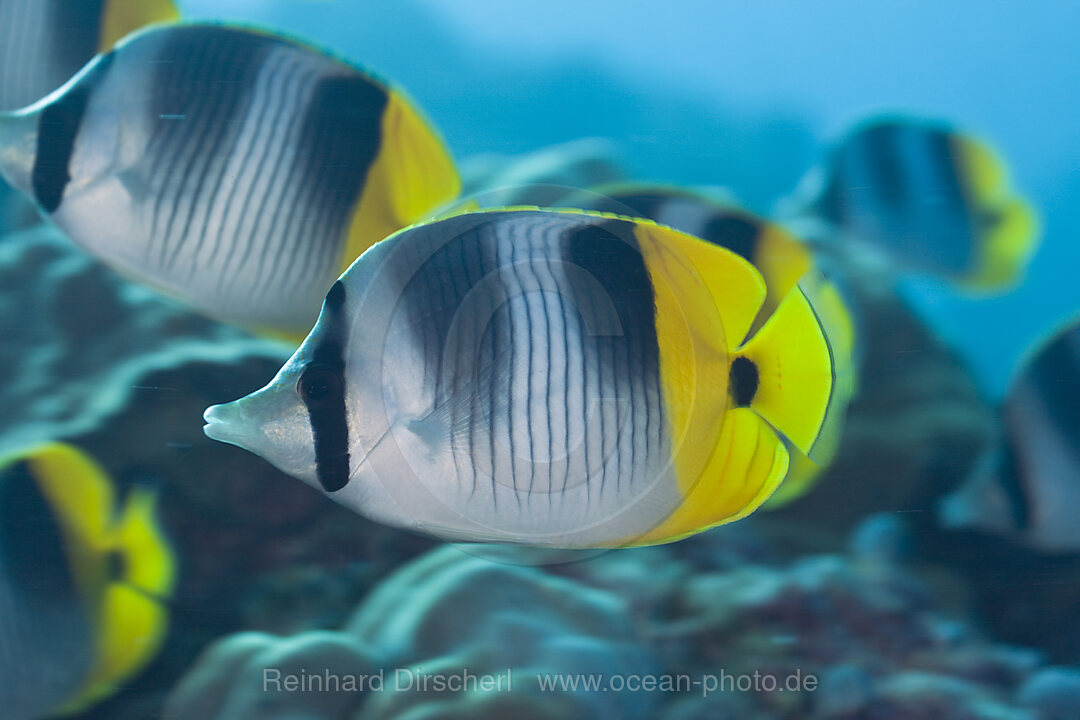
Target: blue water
744,94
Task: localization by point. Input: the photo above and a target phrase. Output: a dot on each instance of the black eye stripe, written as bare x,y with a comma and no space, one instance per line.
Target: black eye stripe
321,387
319,384
58,127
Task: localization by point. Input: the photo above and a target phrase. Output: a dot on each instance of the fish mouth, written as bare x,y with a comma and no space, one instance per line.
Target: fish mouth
229,423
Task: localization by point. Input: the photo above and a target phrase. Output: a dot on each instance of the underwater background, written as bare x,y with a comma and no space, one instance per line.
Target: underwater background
744,95
859,584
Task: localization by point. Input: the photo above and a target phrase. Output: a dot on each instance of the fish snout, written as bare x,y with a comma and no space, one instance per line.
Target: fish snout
228,423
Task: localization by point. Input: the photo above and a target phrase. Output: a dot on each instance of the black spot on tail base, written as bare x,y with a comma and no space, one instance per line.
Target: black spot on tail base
116,566
322,389
58,126
743,383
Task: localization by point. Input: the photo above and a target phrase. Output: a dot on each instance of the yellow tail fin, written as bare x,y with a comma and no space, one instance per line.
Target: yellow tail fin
1008,245
132,618
803,369
149,565
1012,230
132,629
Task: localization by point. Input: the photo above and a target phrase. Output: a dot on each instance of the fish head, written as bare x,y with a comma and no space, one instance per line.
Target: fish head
304,421
80,135
271,422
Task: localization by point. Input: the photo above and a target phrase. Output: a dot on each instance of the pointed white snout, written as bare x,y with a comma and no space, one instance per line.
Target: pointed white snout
228,424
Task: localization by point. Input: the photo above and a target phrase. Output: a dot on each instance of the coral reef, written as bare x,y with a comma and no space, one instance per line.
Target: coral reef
830,637
126,374
448,614
79,342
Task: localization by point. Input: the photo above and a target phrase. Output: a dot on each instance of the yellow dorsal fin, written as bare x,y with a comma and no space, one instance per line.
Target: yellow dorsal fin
803,375
782,260
717,285
125,16
412,177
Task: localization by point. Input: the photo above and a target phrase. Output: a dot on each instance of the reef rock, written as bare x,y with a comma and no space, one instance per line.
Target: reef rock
125,373
425,640
831,637
79,342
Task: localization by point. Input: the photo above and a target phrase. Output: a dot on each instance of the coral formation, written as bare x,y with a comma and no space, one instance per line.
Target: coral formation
830,637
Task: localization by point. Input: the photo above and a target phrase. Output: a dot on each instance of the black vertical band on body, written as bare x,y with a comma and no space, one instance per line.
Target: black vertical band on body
32,539
329,424
737,234
58,126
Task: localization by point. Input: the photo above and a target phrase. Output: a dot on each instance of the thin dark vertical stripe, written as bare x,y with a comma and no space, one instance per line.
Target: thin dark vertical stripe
274,196
447,294
549,406
535,341
494,364
285,207
190,134
566,389
263,235
206,192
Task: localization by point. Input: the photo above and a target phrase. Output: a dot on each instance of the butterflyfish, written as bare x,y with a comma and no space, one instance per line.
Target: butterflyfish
84,582
551,378
45,42
1028,486
235,170
928,198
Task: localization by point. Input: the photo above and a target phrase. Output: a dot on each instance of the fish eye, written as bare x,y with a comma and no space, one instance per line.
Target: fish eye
318,382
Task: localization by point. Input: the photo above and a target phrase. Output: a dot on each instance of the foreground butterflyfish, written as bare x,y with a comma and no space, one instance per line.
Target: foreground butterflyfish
235,170
551,378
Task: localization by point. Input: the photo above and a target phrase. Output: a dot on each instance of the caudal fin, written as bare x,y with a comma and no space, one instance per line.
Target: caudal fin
800,368
137,574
